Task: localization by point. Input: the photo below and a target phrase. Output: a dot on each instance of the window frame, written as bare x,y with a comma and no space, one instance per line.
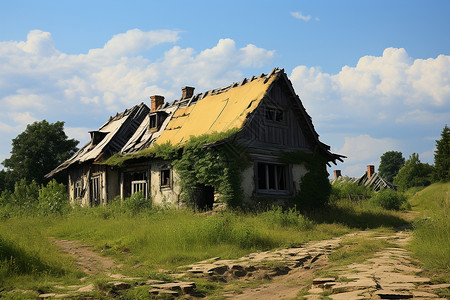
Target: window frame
275,112
271,178
165,173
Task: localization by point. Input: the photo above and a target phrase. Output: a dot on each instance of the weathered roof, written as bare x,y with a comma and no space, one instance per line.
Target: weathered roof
376,182
217,110
116,132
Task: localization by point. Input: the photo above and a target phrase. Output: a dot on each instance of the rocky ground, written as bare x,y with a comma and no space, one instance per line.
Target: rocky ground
284,274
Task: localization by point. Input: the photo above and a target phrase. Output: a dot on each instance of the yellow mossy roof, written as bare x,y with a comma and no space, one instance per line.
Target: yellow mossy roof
216,113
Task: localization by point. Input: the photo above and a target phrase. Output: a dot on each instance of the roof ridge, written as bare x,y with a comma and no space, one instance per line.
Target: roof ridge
220,90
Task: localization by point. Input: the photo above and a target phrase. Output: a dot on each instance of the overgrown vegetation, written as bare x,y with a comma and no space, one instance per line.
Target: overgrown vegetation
431,242
199,164
315,188
30,199
414,173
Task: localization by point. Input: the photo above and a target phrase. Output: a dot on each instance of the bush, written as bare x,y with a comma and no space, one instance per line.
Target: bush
137,203
53,198
389,199
25,195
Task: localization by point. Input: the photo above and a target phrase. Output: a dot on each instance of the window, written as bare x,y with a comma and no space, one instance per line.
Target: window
139,186
139,183
156,119
153,123
272,177
275,115
165,178
77,190
96,191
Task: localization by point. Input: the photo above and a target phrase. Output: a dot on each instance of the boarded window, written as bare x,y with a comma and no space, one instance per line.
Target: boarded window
272,176
96,191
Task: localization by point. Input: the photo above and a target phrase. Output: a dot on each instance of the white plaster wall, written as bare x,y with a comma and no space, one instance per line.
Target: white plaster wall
248,183
298,171
164,196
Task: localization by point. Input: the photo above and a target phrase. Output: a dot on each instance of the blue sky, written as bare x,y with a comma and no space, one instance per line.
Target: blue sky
373,75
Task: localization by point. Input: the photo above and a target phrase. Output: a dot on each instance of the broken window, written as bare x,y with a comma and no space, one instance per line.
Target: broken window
156,120
139,183
275,115
165,178
272,177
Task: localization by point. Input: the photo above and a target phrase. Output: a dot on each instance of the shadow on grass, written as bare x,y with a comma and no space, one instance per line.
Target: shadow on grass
354,218
16,260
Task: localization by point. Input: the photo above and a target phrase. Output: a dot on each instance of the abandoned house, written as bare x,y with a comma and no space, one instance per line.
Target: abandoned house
369,179
263,113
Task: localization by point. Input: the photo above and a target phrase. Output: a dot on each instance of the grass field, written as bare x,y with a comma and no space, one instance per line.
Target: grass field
164,239
431,243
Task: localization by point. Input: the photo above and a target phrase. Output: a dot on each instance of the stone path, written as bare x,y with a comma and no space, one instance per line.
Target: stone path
389,274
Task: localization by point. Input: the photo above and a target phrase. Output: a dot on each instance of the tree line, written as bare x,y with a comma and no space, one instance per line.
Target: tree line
413,172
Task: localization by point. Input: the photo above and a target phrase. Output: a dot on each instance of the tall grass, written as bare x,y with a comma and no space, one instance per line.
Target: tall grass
169,238
27,255
431,242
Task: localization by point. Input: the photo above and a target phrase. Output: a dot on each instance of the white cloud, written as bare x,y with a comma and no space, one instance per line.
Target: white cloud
300,16
362,150
24,118
81,134
134,41
39,82
389,88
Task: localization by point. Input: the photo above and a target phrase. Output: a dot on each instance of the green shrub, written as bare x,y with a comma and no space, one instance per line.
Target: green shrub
389,199
315,188
53,198
26,195
137,203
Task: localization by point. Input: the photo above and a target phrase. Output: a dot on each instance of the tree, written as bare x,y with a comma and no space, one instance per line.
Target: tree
7,180
38,150
391,162
442,156
414,173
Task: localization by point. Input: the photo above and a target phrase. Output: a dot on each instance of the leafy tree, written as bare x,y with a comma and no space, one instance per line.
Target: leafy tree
7,180
38,150
442,156
391,163
414,173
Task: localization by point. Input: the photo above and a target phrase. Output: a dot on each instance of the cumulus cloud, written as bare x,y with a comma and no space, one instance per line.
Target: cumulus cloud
362,150
39,82
391,87
300,16
392,95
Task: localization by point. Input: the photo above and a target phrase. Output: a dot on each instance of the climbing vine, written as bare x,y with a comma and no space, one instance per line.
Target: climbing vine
201,161
315,188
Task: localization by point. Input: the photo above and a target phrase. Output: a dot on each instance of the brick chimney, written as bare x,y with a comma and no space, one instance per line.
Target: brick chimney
156,101
187,92
370,170
337,174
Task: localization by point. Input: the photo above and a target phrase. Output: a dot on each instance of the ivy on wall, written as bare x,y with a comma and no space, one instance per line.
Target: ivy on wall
315,188
199,162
